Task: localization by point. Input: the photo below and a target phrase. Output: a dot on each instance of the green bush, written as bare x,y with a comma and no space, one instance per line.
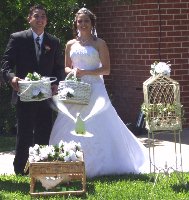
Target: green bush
7,111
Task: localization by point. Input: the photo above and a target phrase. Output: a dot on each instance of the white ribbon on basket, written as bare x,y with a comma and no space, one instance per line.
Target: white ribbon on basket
43,80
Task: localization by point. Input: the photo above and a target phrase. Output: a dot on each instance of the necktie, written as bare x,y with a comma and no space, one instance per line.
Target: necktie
38,47
37,42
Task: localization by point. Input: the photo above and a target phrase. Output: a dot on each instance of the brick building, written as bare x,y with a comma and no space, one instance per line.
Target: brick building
139,33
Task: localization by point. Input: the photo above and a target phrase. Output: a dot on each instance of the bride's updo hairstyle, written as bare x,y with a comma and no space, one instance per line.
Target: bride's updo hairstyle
92,17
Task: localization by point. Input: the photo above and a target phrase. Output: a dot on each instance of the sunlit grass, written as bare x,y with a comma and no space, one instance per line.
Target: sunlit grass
131,187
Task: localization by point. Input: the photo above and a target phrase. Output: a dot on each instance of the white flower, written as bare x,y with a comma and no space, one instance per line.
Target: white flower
36,147
43,90
64,151
36,91
73,156
61,144
160,68
66,92
36,75
79,155
69,146
27,79
45,152
39,92
31,158
37,158
67,158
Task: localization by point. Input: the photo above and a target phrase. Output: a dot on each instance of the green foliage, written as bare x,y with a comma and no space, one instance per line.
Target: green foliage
163,110
7,111
165,116
33,76
7,143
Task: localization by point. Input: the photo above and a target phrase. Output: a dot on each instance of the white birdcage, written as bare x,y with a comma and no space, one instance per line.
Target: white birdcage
163,112
161,107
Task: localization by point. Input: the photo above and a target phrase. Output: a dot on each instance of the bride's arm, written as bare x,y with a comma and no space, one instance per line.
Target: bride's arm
68,62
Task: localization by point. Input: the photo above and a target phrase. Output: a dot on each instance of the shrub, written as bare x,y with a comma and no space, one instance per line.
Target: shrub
7,111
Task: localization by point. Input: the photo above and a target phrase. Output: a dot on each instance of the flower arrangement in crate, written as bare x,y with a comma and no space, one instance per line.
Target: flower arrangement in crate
62,152
50,155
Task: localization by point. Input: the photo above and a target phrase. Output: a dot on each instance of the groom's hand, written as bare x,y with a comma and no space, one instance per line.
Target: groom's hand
14,83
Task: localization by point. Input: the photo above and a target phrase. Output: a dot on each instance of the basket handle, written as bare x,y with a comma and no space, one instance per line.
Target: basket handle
71,74
19,94
51,81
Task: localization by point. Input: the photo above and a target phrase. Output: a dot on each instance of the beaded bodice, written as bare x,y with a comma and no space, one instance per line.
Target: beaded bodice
87,58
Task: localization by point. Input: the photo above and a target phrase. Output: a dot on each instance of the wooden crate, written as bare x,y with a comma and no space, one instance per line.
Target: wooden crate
74,170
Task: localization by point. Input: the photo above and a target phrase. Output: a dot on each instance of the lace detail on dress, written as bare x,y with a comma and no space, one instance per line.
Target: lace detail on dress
86,57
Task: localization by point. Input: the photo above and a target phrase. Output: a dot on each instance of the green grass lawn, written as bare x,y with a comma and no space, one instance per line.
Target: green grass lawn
125,187
131,187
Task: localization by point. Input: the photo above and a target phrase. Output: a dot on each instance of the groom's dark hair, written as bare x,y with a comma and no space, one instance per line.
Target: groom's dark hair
37,6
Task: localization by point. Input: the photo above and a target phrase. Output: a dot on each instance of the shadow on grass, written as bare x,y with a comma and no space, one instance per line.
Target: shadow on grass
182,187
130,177
149,143
11,186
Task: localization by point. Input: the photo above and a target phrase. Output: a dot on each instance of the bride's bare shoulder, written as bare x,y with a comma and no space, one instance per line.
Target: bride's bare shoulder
71,42
100,43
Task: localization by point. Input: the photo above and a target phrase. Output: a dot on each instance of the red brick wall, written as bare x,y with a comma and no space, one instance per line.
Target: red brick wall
137,35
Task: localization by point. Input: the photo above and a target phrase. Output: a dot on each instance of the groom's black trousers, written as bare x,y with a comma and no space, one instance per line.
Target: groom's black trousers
34,124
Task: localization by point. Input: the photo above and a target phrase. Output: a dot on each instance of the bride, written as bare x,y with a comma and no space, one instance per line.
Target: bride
109,147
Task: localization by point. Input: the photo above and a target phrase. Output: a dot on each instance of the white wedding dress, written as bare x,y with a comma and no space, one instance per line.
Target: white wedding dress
109,147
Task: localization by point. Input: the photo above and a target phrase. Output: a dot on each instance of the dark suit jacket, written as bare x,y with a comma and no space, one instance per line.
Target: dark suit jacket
20,57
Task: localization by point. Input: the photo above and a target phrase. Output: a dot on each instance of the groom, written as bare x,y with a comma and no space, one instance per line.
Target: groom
32,50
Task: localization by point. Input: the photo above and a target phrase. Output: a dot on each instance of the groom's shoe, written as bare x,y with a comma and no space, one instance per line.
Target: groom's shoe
19,167
20,171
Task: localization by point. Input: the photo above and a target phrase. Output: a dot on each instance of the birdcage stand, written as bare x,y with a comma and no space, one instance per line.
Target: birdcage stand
178,168
163,113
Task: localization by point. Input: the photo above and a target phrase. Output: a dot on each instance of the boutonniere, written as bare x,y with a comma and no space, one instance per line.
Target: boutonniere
47,48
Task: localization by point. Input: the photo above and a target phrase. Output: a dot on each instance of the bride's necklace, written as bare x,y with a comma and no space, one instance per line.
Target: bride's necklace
84,41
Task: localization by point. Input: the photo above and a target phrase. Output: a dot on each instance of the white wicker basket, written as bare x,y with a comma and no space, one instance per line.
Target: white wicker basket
74,91
35,90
